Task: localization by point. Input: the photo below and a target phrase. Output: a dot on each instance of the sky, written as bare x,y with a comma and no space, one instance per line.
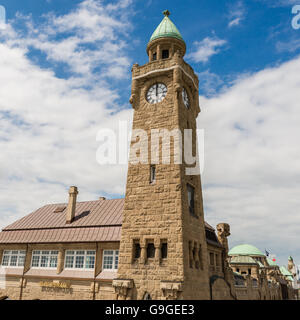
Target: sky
65,74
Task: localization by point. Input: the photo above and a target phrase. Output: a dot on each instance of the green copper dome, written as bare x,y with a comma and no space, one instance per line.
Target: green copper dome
166,29
245,250
271,263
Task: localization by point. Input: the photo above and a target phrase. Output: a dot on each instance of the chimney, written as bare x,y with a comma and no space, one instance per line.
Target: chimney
72,204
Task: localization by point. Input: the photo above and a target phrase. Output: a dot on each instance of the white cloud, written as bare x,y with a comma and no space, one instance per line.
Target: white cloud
209,83
86,38
252,170
206,48
236,14
48,124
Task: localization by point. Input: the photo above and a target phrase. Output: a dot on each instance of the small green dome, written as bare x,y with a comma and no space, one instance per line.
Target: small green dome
272,263
166,29
245,250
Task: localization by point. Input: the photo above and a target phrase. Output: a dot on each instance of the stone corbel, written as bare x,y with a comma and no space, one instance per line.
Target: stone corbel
122,288
171,290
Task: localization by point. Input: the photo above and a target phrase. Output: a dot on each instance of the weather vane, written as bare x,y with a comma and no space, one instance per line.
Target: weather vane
166,13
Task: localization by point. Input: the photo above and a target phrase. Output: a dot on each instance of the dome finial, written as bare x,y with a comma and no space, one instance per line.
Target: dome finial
166,13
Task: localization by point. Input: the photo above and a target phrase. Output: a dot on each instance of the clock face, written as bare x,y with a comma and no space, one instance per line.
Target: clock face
156,93
185,98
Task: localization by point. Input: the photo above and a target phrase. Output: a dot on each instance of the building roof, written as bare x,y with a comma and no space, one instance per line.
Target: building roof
285,272
243,260
94,221
99,220
245,250
166,29
272,263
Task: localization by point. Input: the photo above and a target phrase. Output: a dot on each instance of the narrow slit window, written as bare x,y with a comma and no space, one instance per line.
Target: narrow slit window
191,199
154,57
164,250
152,174
150,250
137,250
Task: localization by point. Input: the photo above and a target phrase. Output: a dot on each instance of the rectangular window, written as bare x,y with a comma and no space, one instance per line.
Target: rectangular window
164,250
13,258
110,260
137,250
154,57
191,199
150,250
44,259
165,54
80,259
152,173
211,259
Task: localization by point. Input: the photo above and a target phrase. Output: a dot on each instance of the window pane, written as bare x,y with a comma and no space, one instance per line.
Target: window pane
21,261
5,260
79,262
69,261
53,261
90,262
80,252
108,262
13,260
45,261
69,252
116,259
35,261
45,252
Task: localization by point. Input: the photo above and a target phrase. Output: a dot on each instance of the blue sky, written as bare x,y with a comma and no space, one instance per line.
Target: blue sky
65,73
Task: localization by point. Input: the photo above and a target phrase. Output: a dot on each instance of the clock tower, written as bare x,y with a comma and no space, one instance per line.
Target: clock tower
163,252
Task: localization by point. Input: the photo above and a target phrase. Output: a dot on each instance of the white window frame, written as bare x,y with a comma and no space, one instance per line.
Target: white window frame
115,254
85,255
9,253
50,254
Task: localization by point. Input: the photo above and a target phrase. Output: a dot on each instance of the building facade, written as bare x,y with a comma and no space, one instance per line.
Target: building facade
154,244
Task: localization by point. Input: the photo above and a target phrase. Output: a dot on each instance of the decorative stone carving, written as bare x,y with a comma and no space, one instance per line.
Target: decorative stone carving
171,290
223,232
122,288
